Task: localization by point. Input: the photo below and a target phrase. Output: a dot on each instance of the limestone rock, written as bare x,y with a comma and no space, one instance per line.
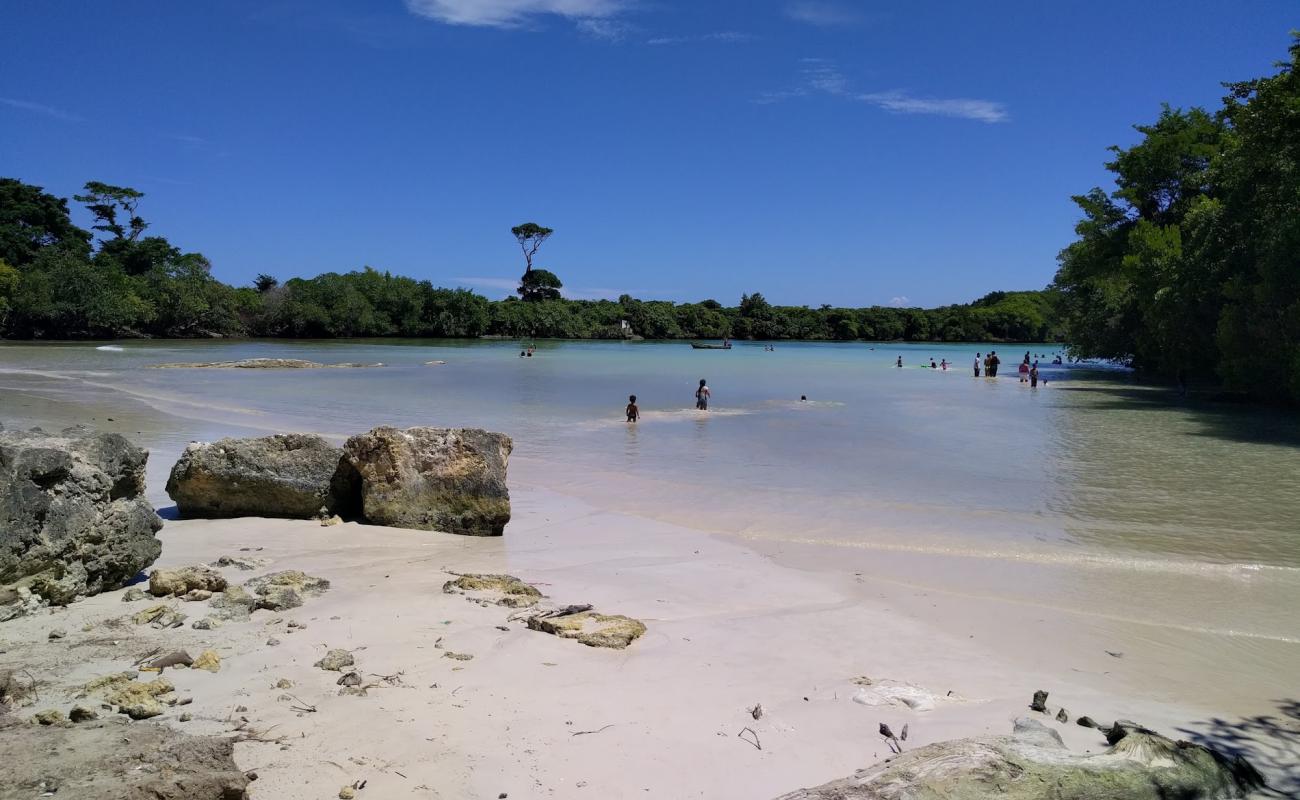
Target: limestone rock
234,604
590,628
1039,703
159,616
57,633
287,475
336,660
133,594
140,700
73,518
116,759
1033,764
178,582
206,624
501,590
247,564
208,660
280,591
50,716
442,479
284,683
886,692
83,714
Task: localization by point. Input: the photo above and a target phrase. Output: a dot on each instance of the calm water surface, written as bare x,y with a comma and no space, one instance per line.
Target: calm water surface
1091,463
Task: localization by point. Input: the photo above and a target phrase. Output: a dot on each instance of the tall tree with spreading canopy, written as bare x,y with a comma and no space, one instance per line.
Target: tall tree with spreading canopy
106,202
31,219
530,236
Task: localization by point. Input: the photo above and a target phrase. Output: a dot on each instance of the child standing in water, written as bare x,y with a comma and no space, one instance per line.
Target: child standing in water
633,413
702,396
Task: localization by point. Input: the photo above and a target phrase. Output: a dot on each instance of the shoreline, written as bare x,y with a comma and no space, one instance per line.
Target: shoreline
736,617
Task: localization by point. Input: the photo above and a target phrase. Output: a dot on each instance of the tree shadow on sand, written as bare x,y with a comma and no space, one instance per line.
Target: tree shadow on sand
1236,422
1270,742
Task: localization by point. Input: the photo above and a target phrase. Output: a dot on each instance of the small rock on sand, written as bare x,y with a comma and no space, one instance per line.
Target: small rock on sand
177,582
133,594
57,633
50,716
591,628
208,660
457,656
1039,703
347,793
1062,716
83,714
206,624
502,590
284,590
186,717
336,660
284,683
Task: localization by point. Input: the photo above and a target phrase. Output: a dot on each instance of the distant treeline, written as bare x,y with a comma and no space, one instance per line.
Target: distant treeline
57,282
1191,268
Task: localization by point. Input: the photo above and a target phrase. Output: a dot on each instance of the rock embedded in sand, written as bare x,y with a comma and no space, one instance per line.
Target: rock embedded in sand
247,564
441,479
336,660
159,616
50,716
591,628
103,761
57,633
234,604
886,692
139,700
501,590
208,660
286,475
133,594
1034,764
73,517
181,581
83,714
280,591
1039,703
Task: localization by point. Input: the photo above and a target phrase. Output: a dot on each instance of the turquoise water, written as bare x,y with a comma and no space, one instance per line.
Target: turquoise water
1091,462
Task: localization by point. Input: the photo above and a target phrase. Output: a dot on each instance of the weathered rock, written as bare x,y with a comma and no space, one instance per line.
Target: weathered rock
349,679
50,716
501,590
886,692
1086,722
208,660
1062,716
288,475
117,760
139,700
57,633
186,716
177,582
197,595
1039,703
280,591
247,564
234,604
458,656
1034,764
591,628
284,683
159,616
83,714
336,660
443,479
73,518
133,594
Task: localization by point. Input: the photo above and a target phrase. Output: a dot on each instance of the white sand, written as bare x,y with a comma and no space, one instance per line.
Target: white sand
728,628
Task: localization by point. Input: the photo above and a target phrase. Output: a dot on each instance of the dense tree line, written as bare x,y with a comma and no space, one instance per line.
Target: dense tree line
56,282
1191,267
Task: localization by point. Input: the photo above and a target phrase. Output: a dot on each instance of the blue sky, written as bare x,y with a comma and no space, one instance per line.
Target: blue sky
818,151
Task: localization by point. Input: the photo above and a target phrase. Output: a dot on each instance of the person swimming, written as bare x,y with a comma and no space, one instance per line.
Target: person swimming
803,398
633,413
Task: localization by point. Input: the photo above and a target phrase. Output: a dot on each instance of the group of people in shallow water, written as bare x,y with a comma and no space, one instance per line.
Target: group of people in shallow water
987,363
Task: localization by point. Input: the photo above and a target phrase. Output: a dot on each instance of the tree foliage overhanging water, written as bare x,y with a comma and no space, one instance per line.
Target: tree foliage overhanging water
1192,266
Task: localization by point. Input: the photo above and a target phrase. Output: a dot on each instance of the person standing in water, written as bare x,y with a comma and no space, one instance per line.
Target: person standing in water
702,395
633,413
1033,376
994,361
900,362
977,365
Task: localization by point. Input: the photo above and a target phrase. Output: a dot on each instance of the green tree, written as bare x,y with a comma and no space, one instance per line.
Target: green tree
264,283
540,284
106,202
530,236
31,220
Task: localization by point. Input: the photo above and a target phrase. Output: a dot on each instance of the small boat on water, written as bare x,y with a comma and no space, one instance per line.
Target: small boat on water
723,346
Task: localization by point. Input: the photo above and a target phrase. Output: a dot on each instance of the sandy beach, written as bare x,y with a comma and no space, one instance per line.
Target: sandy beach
532,715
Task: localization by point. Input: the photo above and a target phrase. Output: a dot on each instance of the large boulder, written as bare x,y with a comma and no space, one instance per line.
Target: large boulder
288,475
73,517
1034,764
442,479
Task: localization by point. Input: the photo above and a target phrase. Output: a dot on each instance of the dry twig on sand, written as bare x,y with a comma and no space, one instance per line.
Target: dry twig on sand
757,744
304,707
598,730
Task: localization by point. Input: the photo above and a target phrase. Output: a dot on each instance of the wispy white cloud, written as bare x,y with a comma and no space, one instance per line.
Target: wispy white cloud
726,37
900,102
823,13
819,76
40,108
898,302
509,284
607,30
514,13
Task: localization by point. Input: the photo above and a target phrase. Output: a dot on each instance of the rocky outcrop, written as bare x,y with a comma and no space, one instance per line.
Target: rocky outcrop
289,475
1034,764
443,479
499,590
590,627
177,582
281,591
73,517
117,760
